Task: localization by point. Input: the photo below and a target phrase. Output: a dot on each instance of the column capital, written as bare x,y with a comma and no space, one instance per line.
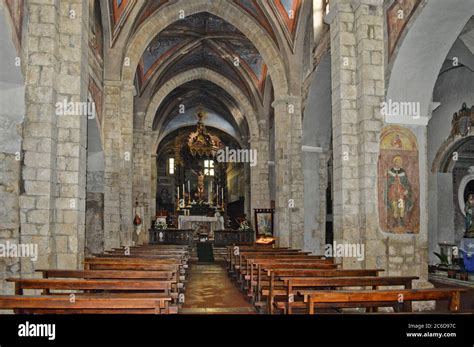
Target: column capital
286,99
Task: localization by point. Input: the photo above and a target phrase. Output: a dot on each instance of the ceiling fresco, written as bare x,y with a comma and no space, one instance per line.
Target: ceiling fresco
119,11
195,94
398,15
203,40
287,12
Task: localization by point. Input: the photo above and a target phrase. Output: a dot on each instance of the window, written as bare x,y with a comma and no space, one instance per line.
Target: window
171,166
208,167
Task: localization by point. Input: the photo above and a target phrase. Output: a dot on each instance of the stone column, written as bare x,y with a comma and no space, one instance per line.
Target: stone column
315,185
153,186
126,165
369,31
259,175
113,157
118,149
142,171
37,201
289,223
344,125
72,79
52,206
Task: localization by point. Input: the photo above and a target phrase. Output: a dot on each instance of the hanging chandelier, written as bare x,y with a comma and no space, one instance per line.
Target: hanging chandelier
200,142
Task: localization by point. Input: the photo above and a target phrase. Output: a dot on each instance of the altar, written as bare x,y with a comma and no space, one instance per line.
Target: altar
201,224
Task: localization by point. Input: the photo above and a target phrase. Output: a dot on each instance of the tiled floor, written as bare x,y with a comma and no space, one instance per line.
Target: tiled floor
210,291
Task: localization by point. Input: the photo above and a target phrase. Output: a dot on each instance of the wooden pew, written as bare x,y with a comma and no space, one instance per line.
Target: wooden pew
43,304
295,284
255,275
346,298
173,276
165,287
110,274
90,263
233,256
289,255
275,275
134,267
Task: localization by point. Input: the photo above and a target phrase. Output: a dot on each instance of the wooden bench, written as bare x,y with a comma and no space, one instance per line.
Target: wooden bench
25,304
232,257
283,255
254,277
292,285
173,276
134,267
346,298
48,284
91,263
275,275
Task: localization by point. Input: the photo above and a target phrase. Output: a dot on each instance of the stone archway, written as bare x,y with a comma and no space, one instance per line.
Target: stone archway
289,223
248,116
211,76
423,51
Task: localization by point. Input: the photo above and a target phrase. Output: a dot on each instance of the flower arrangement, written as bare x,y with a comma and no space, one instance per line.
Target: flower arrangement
160,223
244,225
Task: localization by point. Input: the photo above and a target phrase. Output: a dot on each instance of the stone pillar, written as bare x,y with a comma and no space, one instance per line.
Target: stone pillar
37,202
259,176
344,125
142,171
126,165
153,186
315,185
369,31
118,149
289,223
72,80
113,157
52,206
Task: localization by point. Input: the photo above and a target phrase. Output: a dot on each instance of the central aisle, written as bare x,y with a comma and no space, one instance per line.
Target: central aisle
210,291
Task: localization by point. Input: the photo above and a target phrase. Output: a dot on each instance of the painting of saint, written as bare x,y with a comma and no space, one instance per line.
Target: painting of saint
398,181
399,198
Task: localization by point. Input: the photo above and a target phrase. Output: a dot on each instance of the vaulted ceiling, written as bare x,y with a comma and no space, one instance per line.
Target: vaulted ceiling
207,40
204,40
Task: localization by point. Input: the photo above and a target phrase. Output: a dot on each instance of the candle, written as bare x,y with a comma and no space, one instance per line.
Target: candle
189,188
178,193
